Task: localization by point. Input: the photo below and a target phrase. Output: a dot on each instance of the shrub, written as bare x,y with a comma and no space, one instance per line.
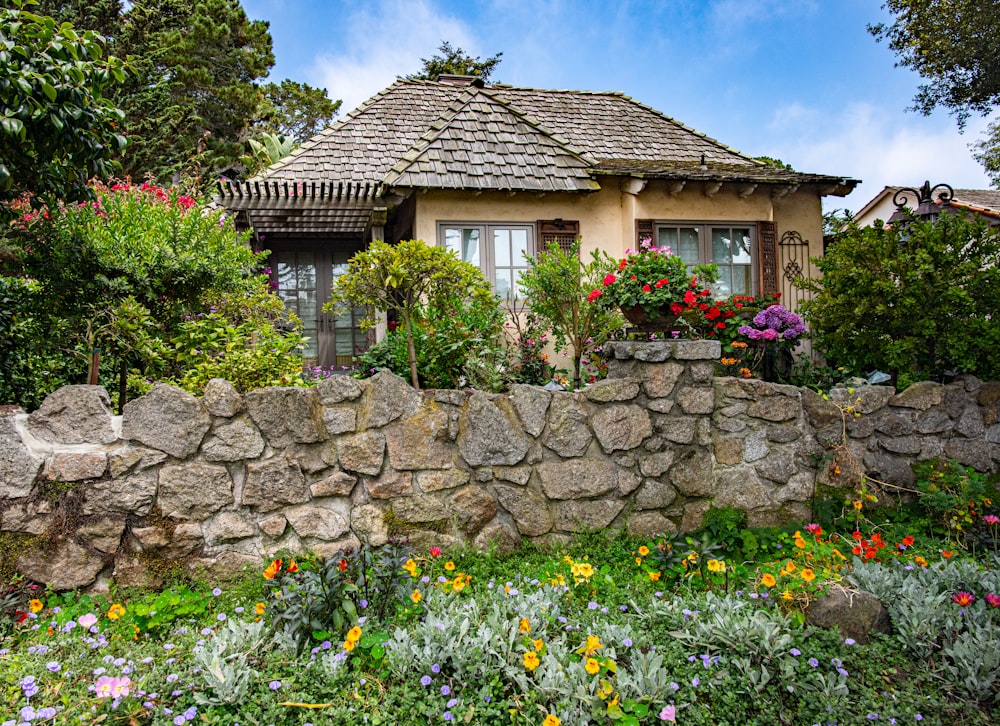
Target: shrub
915,299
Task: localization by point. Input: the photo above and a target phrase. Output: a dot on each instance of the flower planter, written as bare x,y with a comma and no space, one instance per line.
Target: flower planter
662,320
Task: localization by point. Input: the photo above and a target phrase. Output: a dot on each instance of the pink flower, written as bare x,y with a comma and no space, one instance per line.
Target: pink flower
120,686
104,686
993,599
435,551
87,620
991,519
669,713
963,598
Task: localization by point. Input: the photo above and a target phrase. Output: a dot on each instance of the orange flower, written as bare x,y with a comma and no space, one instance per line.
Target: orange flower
768,580
116,611
272,570
537,644
808,575
654,576
416,597
349,645
259,608
449,565
524,626
643,551
551,719
947,554
293,566
35,605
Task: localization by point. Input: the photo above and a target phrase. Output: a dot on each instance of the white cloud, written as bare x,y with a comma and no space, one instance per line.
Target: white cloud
882,147
386,39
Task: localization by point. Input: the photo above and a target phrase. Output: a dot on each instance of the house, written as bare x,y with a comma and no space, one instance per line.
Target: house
983,202
498,172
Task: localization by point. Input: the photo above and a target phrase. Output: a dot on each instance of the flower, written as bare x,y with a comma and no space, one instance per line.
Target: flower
774,323
449,565
807,574
963,599
524,626
435,551
87,620
592,645
991,519
655,279
274,685
116,611
669,713
643,551
551,720
993,599
425,681
531,661
293,566
272,570
717,566
35,605
768,580
410,567
654,576
259,608
416,597
538,643
104,686
354,634
592,666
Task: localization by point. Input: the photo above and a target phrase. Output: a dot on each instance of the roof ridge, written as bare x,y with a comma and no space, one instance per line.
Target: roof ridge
455,108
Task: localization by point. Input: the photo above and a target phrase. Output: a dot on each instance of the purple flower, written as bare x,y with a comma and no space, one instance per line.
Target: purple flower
795,652
425,681
216,592
452,703
814,663
445,690
53,666
274,685
435,668
696,681
179,720
849,641
448,716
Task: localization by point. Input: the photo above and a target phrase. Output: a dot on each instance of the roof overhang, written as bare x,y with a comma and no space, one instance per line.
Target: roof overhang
295,207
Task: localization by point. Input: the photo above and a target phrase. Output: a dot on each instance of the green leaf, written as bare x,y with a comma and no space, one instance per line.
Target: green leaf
49,90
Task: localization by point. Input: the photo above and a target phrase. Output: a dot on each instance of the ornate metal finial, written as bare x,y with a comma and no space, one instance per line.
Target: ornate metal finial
927,206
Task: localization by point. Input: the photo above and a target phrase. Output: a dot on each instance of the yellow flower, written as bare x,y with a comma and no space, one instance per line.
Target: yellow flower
592,666
787,595
449,565
354,634
790,568
35,605
537,644
272,570
643,551
808,575
531,660
800,543
259,608
460,582
717,566
524,626
920,561
654,576
768,580
638,560
582,571
551,720
116,611
857,504
416,597
592,645
348,645
410,567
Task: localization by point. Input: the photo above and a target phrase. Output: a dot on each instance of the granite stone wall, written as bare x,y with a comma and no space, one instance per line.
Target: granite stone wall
227,479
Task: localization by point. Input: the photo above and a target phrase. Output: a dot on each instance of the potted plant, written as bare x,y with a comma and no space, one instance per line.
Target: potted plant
653,287
775,330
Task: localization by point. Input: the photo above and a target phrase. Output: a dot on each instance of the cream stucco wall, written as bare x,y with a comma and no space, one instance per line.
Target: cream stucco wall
607,217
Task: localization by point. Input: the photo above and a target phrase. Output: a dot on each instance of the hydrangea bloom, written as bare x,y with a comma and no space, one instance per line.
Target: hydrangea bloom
774,323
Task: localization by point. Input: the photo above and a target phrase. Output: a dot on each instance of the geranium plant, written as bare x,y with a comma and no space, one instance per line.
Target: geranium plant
656,280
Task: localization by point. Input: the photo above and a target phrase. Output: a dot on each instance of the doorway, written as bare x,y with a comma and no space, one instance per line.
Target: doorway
304,275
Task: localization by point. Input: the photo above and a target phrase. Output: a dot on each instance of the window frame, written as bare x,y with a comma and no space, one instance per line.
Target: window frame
487,261
705,253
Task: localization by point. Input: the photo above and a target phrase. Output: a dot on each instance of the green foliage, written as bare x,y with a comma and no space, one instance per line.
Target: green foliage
455,61
914,300
724,524
444,303
557,285
953,45
160,611
246,338
57,128
265,150
294,110
957,496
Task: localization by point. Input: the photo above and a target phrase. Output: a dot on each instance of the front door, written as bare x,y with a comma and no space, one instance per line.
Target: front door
304,276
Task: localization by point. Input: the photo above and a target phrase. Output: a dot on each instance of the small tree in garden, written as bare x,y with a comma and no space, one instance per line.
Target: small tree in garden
557,285
409,278
914,300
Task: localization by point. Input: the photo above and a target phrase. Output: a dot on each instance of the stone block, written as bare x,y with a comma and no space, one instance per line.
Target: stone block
318,522
921,396
611,390
337,484
273,526
287,416
531,403
272,483
487,435
76,466
363,452
233,441
228,527
167,419
659,381
692,474
621,427
65,565
194,490
529,509
18,466
387,398
473,507
516,474
74,415
657,464
432,481
583,516
568,433
130,495
368,522
420,441
576,478
390,484
655,494
221,398
337,389
649,525
103,533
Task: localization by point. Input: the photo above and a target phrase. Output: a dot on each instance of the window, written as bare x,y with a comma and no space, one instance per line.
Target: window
501,251
727,245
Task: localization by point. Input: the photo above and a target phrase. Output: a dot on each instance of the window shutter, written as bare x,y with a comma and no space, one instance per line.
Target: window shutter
643,230
767,247
561,232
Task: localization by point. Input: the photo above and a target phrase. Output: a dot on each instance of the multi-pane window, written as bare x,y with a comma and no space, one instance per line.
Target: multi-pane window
501,251
727,245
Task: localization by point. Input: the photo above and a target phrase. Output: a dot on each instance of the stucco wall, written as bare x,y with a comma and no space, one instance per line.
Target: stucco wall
227,479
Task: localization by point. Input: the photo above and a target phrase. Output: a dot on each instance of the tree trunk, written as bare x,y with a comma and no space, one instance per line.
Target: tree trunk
411,350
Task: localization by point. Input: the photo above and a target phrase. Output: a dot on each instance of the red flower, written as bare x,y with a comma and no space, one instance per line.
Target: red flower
857,535
342,565
705,293
621,265
689,298
435,551
856,550
609,279
594,295
647,288
676,308
713,313
720,325
907,541
293,566
703,306
963,599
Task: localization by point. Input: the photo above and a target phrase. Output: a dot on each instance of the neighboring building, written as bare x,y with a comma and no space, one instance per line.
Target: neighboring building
984,202
497,173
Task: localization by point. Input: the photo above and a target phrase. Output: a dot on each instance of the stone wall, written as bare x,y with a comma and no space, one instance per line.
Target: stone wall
226,479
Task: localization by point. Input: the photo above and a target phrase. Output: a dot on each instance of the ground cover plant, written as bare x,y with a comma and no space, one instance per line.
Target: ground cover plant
704,628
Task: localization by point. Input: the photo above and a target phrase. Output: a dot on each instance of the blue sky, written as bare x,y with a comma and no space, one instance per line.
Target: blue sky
799,80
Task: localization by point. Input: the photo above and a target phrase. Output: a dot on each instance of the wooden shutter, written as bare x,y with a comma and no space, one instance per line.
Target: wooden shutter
643,230
561,232
767,248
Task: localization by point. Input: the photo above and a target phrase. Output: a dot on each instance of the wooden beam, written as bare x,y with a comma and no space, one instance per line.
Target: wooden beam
745,190
675,188
712,188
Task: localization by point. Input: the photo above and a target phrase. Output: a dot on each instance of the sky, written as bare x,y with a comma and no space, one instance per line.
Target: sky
798,80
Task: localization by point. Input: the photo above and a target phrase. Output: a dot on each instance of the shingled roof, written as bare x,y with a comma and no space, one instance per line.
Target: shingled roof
442,135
